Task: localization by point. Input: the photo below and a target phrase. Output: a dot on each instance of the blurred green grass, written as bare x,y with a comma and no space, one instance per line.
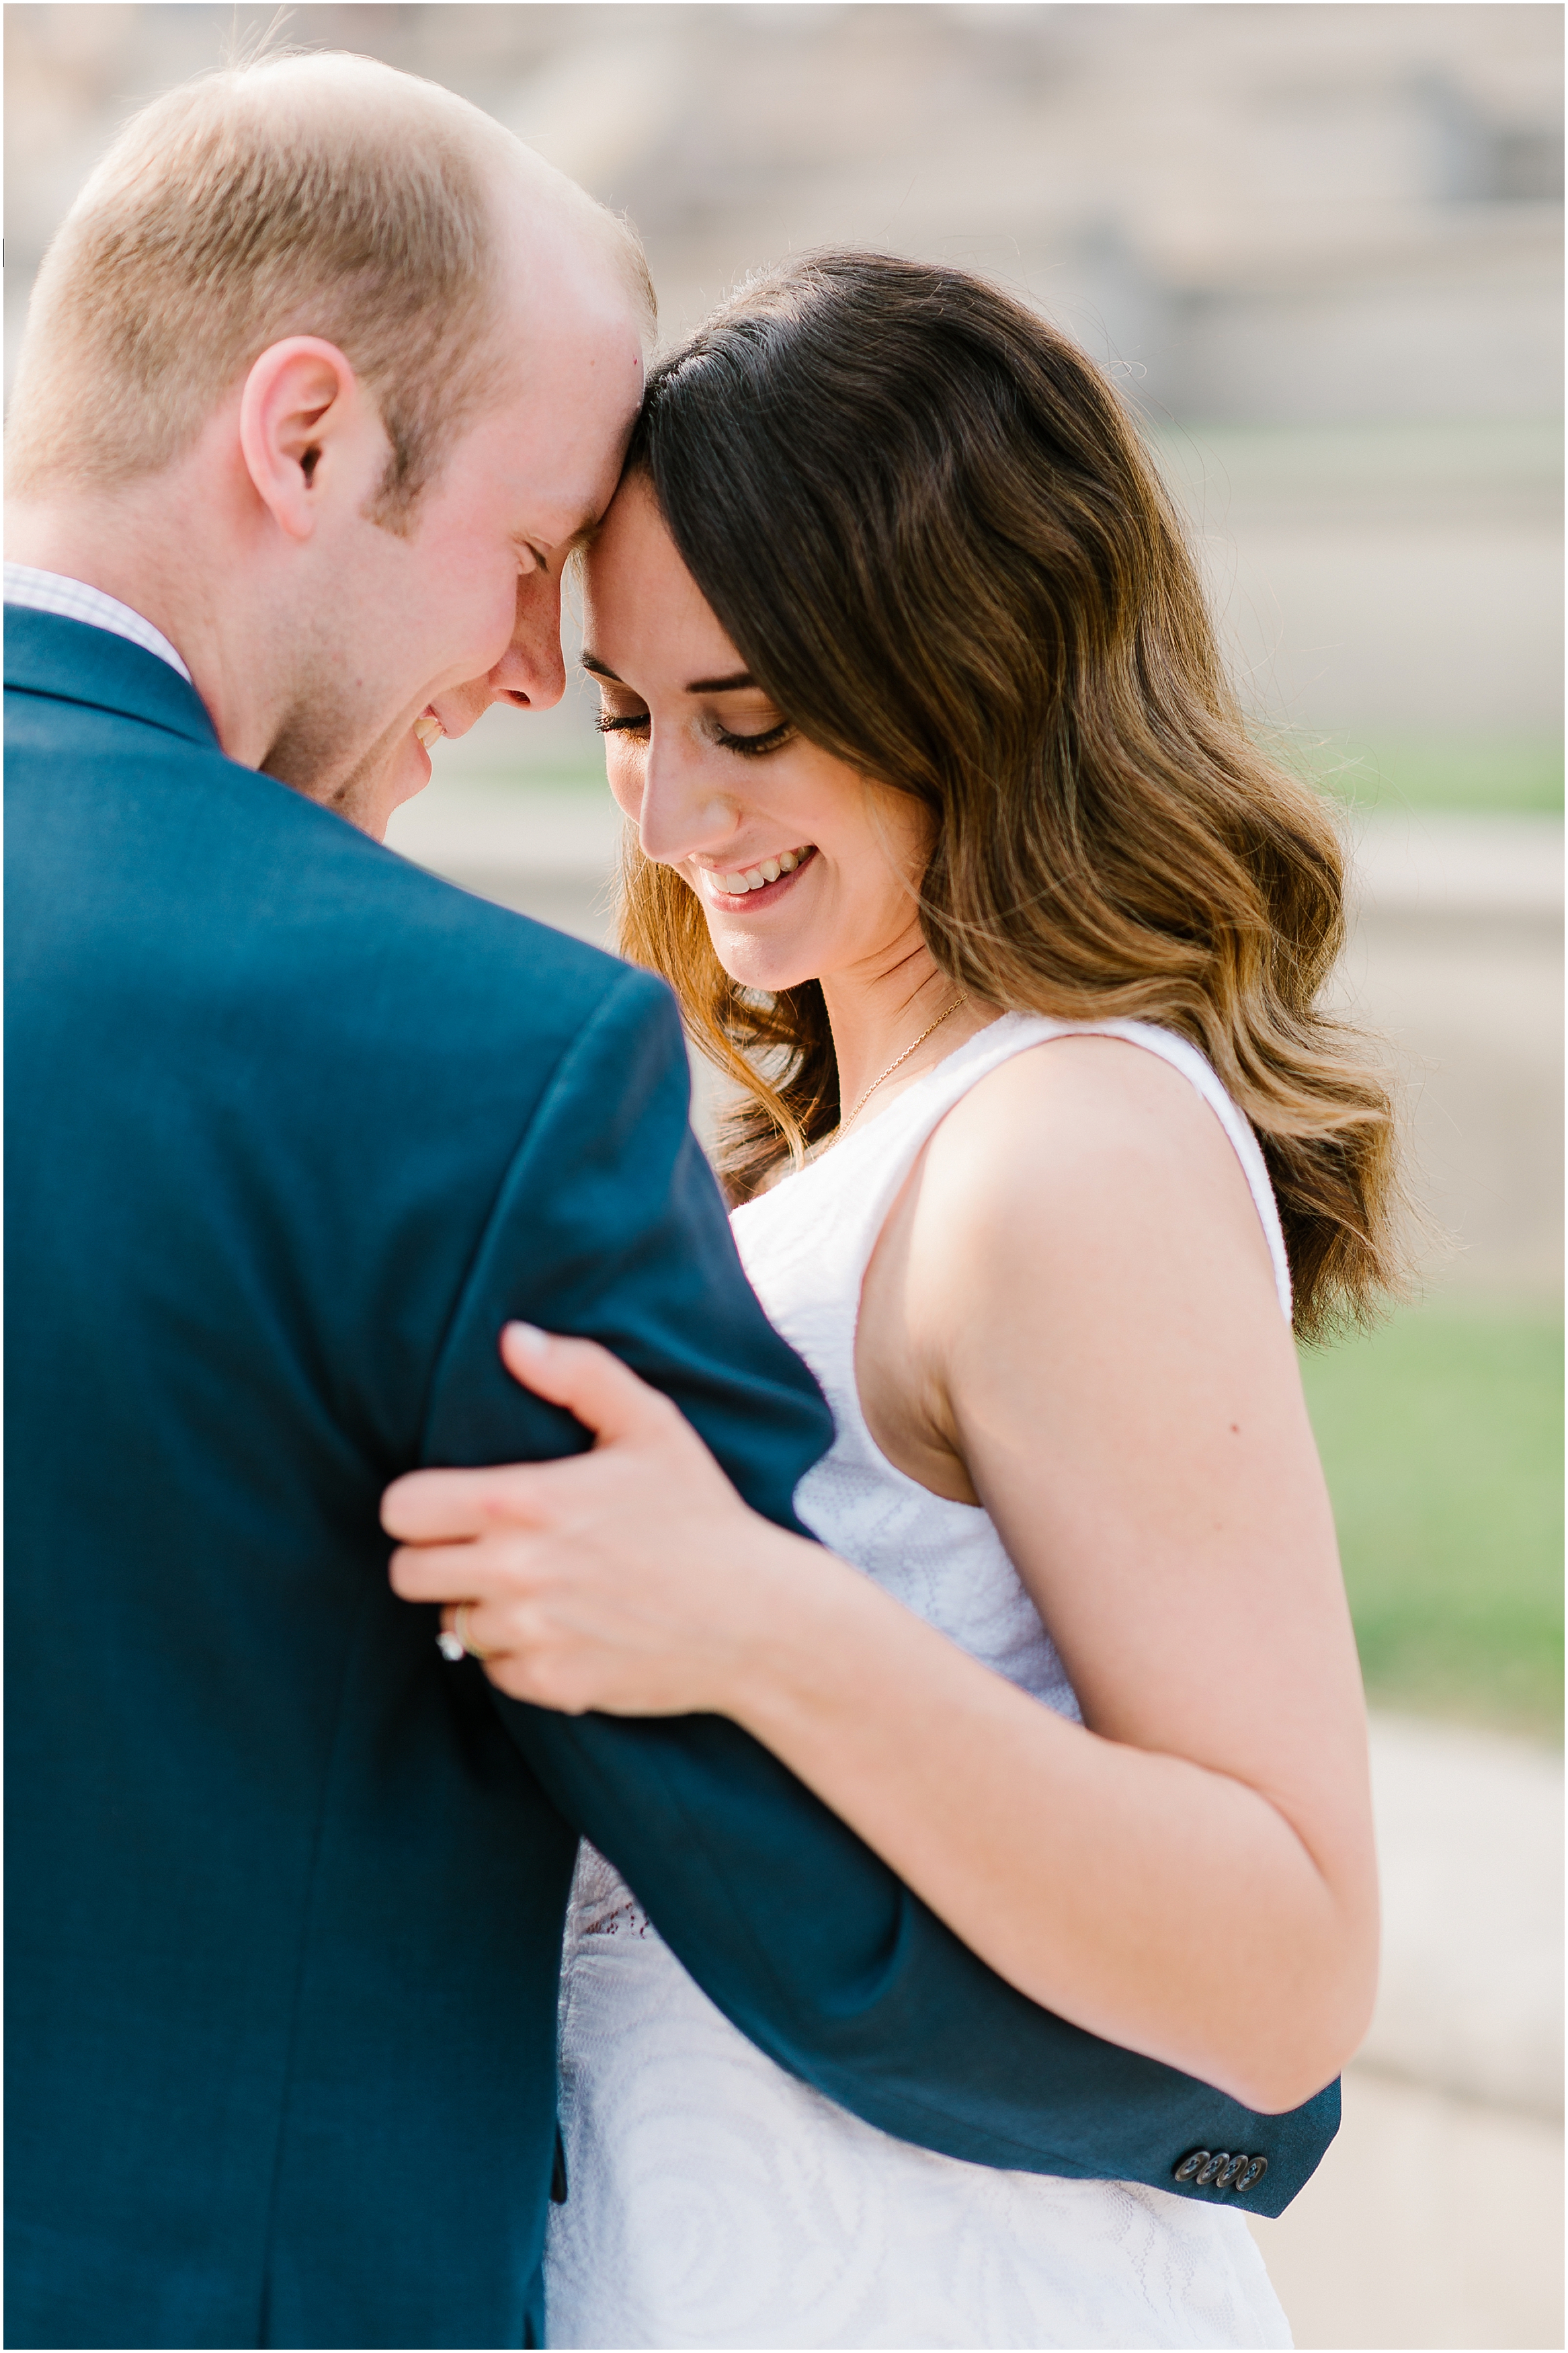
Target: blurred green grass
1441,1435
1483,776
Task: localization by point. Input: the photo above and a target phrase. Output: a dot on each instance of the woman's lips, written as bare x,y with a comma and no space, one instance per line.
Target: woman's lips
735,888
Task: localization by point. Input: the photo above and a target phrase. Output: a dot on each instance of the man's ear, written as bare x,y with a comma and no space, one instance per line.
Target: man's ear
300,402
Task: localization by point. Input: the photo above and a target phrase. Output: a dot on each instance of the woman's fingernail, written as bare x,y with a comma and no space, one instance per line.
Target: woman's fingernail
529,1337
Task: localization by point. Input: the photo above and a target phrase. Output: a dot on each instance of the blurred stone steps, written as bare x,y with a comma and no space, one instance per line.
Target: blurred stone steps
1447,864
1469,1832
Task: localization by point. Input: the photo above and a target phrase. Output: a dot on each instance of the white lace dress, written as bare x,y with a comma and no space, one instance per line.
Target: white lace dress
714,2201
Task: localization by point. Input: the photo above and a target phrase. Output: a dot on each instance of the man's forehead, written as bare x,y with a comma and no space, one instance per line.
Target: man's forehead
568,337
570,361
558,245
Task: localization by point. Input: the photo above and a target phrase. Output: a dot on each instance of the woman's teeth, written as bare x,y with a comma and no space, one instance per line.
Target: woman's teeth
757,878
428,729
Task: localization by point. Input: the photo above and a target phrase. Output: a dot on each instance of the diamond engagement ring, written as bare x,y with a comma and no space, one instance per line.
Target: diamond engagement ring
453,1642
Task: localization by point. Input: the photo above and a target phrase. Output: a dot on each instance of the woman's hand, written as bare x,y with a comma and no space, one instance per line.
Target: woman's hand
1074,1297
631,1578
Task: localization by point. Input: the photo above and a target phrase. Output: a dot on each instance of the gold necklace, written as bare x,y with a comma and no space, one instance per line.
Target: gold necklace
845,1124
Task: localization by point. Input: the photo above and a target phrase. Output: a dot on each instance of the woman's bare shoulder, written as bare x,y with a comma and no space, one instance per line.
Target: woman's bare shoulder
1081,1155
1078,1105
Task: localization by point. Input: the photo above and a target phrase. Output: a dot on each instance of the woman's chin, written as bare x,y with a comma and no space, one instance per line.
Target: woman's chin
407,772
754,964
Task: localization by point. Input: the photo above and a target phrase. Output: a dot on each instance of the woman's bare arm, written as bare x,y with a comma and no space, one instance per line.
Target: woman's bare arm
1072,1314
1072,1308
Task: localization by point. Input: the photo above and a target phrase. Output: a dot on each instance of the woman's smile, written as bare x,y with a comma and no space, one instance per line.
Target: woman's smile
751,887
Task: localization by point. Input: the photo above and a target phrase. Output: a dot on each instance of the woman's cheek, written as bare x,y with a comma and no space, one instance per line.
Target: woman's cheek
624,779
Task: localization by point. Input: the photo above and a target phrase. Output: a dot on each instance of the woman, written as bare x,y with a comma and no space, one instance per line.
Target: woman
955,849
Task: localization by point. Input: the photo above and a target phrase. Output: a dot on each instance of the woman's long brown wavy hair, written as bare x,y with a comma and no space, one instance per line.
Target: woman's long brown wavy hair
929,530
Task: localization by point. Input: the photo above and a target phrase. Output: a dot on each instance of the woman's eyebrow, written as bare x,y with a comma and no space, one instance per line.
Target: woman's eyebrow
731,685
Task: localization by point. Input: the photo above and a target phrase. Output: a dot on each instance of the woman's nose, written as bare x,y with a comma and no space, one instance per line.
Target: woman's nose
683,812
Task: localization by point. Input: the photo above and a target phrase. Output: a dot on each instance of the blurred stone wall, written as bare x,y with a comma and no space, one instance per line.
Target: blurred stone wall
1274,214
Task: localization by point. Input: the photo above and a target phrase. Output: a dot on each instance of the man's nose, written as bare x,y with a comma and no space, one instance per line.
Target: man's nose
531,673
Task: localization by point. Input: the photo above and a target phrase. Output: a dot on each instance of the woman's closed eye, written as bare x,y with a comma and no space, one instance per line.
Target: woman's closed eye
749,745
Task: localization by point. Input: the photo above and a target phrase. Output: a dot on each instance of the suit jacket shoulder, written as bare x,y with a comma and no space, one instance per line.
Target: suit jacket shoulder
371,1042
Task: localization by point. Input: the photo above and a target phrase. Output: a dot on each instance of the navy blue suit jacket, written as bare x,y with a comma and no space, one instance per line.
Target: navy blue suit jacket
293,1128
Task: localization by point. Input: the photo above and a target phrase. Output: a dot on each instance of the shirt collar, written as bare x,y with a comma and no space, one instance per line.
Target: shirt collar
52,592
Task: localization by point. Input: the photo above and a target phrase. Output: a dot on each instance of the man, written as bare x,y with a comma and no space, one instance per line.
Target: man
324,376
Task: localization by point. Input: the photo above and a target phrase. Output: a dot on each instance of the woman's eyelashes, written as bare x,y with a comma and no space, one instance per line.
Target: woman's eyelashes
751,747
635,723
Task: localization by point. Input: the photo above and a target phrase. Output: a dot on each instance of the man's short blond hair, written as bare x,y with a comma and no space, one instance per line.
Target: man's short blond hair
322,196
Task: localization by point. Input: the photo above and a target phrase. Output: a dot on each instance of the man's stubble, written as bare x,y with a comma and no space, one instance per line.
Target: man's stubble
332,744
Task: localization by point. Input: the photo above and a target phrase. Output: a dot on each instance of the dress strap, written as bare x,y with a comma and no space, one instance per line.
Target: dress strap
1196,1067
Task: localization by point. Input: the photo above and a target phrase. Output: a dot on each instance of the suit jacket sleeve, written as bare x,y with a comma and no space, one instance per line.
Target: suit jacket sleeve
609,1225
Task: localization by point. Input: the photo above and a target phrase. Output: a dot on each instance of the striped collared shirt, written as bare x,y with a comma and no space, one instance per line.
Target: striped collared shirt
51,592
